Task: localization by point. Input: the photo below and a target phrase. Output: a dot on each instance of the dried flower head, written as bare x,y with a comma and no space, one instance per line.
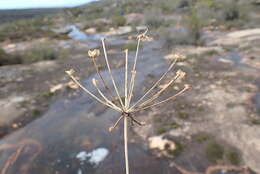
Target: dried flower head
126,107
93,53
70,72
72,85
144,37
179,56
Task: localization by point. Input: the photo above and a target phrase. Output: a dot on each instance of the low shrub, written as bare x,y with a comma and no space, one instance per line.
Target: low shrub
39,53
194,27
172,38
229,10
8,59
153,18
202,138
25,29
214,152
233,157
118,20
131,46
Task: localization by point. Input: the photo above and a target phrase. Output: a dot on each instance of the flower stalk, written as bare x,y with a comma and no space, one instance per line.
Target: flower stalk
124,107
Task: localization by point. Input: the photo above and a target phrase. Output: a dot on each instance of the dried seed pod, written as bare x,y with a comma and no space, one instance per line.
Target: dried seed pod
93,53
70,72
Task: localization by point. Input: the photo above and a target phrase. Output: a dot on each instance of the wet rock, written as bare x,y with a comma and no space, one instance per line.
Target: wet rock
206,50
225,61
228,124
63,30
103,21
94,157
191,50
91,30
238,37
162,144
141,28
45,65
133,18
72,85
84,141
256,2
119,31
56,88
10,108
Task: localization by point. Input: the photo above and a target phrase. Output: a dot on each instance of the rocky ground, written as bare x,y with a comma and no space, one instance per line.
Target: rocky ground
221,107
213,127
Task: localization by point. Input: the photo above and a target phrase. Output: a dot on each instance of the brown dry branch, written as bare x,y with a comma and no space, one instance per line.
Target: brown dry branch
126,108
212,169
27,146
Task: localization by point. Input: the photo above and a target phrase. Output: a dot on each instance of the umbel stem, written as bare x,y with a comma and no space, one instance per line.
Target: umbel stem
125,107
126,145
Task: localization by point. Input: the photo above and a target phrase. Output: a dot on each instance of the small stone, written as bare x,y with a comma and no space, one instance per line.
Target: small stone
91,30
14,125
158,142
56,88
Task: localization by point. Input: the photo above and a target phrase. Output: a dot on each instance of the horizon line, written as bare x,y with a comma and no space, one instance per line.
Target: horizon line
48,7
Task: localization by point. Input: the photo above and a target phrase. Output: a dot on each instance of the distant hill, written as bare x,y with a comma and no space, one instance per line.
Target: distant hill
12,15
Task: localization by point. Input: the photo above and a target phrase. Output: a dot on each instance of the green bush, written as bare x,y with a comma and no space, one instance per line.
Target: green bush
214,152
177,151
118,20
231,11
153,18
183,115
8,59
25,29
40,53
233,158
132,46
161,130
175,38
202,138
173,125
255,121
194,26
164,7
206,3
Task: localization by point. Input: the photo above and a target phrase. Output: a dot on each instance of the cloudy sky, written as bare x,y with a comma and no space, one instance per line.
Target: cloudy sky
21,4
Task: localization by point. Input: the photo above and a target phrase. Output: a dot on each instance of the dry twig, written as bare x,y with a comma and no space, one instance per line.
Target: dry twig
24,147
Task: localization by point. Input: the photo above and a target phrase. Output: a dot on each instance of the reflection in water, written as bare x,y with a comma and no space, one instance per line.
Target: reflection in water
76,34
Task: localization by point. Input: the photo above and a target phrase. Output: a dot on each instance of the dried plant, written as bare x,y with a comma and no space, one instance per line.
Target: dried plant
126,108
214,169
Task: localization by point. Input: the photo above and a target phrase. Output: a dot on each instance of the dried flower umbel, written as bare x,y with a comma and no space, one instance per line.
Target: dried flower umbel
126,108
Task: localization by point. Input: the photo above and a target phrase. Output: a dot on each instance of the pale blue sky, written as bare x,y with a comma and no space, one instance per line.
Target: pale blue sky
21,4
